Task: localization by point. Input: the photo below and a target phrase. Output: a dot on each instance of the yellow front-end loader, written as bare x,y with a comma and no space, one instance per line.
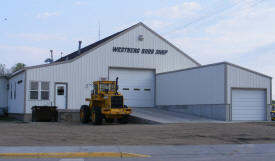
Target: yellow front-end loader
105,103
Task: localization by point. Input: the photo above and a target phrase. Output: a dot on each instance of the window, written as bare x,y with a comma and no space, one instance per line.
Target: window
107,87
34,90
125,89
39,90
45,86
14,95
11,91
60,91
147,89
136,89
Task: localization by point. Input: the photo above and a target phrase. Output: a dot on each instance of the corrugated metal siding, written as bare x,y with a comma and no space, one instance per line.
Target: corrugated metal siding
95,64
191,87
16,105
240,78
3,92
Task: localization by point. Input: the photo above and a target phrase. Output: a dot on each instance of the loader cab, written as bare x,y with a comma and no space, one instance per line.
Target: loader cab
104,87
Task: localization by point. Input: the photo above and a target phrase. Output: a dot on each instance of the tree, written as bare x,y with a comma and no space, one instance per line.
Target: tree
17,67
3,70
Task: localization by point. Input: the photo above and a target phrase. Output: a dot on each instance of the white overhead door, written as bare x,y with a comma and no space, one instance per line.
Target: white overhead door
136,85
248,104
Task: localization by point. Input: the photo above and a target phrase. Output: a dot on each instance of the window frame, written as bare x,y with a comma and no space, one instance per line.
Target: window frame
14,94
63,92
30,90
42,90
11,91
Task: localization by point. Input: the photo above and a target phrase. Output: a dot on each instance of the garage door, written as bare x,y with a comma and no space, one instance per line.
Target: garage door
136,85
248,104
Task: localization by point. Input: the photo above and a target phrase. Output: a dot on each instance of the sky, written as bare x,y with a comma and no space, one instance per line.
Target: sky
238,31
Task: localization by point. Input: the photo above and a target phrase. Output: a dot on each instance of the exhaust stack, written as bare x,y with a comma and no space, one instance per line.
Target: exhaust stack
116,85
79,46
51,54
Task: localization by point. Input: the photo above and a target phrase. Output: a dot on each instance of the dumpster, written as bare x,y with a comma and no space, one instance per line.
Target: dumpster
44,114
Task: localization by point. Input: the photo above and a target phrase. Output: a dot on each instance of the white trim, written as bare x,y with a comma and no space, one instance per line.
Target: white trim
39,90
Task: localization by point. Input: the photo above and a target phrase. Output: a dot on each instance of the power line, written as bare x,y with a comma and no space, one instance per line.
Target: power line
210,16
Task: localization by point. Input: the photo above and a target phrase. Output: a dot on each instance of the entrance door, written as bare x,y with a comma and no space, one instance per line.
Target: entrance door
60,95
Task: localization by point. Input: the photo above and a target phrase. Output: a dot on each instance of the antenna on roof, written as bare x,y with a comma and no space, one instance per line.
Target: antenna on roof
61,54
98,30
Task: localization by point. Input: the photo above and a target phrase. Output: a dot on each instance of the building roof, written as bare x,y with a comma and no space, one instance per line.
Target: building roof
89,47
216,64
75,55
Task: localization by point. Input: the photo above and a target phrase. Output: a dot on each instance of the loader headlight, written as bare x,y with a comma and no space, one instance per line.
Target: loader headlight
105,97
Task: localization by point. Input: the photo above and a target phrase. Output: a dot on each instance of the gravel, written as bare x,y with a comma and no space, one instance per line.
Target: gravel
71,133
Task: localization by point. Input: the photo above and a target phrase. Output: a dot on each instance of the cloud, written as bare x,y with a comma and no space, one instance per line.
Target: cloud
29,55
243,30
123,26
245,1
80,3
25,54
46,15
157,24
154,24
182,10
40,36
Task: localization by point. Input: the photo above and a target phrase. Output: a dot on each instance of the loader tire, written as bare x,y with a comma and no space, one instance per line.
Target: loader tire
109,120
84,114
123,120
97,116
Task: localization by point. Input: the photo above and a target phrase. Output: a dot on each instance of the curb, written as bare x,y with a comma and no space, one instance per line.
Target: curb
72,155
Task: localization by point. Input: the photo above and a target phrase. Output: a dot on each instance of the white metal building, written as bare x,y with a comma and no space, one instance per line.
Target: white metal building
222,91
142,60
3,94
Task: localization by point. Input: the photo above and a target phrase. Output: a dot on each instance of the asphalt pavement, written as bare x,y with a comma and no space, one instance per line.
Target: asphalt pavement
229,152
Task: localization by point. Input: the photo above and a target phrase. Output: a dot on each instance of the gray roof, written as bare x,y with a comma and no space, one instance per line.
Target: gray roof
215,64
86,48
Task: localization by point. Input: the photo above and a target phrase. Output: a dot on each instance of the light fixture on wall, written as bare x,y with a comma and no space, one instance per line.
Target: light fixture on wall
140,38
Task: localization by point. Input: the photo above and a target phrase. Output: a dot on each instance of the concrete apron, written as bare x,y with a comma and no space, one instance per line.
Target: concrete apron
144,115
157,115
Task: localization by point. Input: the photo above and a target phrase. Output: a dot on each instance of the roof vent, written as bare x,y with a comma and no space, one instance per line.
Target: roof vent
49,60
79,46
140,38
